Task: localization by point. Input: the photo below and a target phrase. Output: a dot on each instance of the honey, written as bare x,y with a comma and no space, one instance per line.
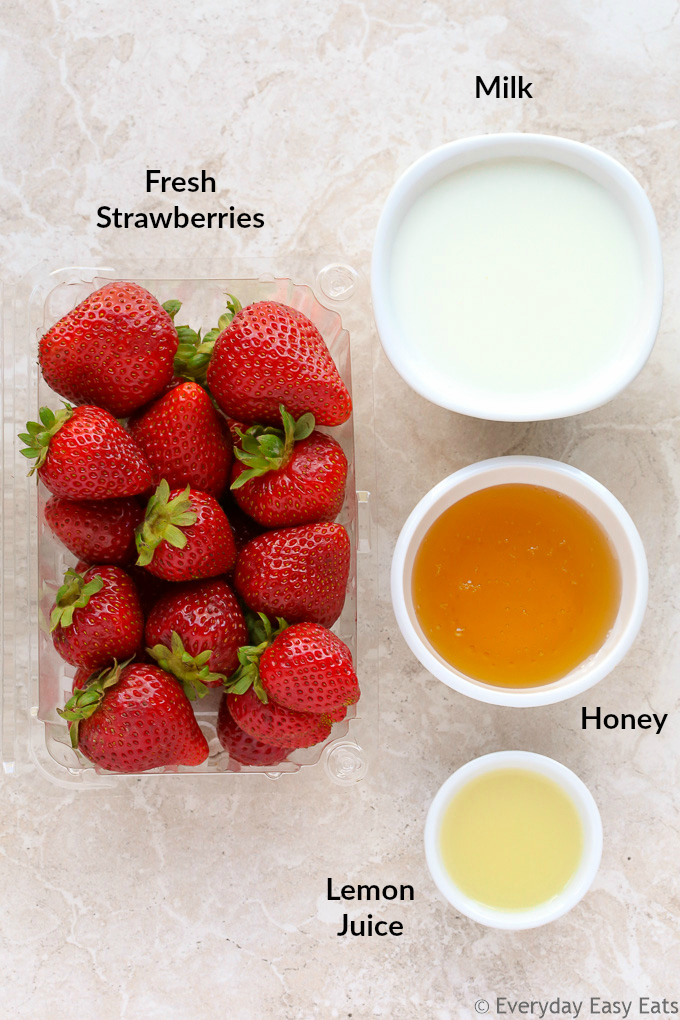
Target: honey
511,839
515,585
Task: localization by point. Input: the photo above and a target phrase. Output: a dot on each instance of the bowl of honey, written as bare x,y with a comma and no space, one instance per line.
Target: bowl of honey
513,839
519,581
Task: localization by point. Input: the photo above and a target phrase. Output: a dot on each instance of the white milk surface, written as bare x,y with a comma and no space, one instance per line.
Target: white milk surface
516,276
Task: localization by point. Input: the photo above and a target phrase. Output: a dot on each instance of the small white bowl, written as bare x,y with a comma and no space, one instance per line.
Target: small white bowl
579,883
426,377
591,495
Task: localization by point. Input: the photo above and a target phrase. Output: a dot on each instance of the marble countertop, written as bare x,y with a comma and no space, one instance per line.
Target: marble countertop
199,899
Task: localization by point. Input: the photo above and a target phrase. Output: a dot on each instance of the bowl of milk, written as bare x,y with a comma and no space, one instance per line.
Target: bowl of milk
517,277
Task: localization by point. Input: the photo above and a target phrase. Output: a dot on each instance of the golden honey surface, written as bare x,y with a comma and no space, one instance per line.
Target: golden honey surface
515,585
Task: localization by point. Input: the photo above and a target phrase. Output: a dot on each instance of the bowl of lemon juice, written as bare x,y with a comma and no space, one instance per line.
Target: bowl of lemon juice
513,839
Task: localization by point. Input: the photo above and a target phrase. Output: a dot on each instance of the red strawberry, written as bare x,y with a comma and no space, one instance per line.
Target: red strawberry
98,531
116,349
182,438
309,668
83,453
298,573
185,535
195,632
241,746
305,667
272,354
96,617
291,476
273,724
133,718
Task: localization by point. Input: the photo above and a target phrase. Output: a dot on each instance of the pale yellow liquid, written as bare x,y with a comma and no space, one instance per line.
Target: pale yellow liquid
511,839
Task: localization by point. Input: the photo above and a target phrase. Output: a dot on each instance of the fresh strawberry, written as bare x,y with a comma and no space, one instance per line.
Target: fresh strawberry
132,718
289,476
338,714
96,617
305,667
309,668
83,453
182,437
116,349
195,632
99,531
298,573
273,724
185,535
241,746
271,354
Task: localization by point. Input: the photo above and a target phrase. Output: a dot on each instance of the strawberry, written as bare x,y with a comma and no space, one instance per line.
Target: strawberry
309,668
182,437
298,573
292,476
185,535
116,349
195,631
96,617
273,724
99,530
271,354
241,746
305,667
134,717
83,453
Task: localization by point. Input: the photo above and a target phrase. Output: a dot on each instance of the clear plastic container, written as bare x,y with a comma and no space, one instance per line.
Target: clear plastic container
36,681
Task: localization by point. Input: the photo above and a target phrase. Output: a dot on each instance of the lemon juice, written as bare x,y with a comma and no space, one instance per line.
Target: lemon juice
511,839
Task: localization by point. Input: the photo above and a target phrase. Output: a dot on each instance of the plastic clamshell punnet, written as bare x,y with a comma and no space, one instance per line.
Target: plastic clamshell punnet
36,681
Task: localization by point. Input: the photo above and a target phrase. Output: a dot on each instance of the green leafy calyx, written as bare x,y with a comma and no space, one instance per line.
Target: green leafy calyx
165,518
172,307
265,448
39,433
194,352
74,594
192,671
247,674
85,701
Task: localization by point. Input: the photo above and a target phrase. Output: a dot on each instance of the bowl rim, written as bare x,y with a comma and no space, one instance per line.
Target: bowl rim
556,691
580,882
449,157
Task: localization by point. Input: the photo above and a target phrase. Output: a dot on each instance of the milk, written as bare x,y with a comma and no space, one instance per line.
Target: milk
516,276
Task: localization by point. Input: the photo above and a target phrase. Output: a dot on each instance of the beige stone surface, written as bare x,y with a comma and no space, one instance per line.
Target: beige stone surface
204,898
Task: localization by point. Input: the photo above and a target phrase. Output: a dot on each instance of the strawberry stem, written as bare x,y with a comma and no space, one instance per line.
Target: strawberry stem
73,594
194,353
85,701
191,671
266,448
247,673
164,520
38,434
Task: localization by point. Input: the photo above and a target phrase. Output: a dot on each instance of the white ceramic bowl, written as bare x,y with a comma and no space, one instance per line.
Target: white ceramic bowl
426,377
598,501
577,886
